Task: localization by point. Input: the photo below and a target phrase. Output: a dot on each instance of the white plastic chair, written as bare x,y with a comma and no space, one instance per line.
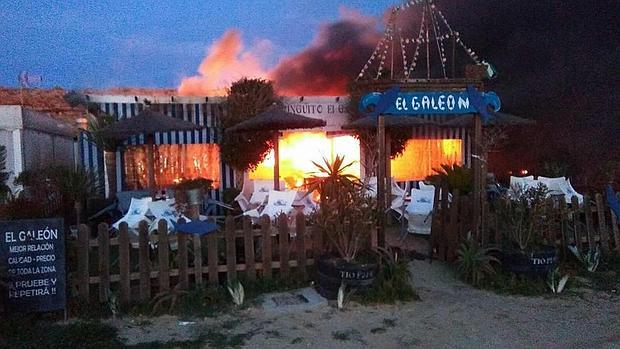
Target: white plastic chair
399,196
243,199
554,185
569,192
138,208
261,190
304,199
419,211
424,186
278,202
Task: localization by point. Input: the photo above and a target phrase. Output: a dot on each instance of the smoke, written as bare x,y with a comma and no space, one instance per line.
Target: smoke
325,67
334,57
227,61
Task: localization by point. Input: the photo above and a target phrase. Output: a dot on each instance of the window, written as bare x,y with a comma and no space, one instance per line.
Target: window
172,163
421,156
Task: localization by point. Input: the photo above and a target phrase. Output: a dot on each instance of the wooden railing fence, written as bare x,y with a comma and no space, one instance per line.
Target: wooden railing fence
149,263
590,224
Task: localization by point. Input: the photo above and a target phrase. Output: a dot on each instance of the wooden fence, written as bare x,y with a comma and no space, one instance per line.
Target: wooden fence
590,224
162,261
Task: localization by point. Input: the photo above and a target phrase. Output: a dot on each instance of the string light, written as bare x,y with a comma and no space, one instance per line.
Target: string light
431,16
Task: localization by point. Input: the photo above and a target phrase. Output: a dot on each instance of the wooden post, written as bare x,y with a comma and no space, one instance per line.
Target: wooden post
381,182
283,237
602,225
453,234
576,228
317,242
477,167
212,257
248,246
144,262
104,261
163,252
614,227
589,229
265,228
83,272
197,241
276,161
182,261
300,239
231,249
150,163
123,264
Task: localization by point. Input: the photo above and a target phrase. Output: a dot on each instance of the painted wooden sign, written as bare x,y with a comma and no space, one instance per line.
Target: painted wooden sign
32,258
394,102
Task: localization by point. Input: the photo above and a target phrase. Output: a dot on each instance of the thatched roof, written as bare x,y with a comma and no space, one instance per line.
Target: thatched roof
496,119
147,122
391,121
275,118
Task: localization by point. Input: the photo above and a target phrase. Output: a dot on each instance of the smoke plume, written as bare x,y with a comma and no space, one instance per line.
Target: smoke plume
325,67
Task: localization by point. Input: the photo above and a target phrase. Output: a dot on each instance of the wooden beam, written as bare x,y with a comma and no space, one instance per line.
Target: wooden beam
381,167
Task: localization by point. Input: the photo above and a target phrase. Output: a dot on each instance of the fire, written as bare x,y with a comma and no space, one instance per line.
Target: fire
299,149
421,156
227,61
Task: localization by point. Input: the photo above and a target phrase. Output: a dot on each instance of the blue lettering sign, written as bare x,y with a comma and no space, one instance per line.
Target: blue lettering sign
430,102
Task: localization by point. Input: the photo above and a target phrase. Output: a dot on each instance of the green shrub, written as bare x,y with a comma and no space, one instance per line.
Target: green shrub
474,263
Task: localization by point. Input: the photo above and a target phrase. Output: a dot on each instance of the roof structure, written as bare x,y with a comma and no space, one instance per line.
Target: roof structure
275,118
43,100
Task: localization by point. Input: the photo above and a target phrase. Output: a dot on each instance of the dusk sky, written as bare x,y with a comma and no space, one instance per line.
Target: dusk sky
152,44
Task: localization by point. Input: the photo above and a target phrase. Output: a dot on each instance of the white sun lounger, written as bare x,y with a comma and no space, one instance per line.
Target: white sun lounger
138,208
278,202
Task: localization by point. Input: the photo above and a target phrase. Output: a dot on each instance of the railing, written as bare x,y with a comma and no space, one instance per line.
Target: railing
162,261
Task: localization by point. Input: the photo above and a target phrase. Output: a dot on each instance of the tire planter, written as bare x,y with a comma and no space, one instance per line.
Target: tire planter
334,271
535,263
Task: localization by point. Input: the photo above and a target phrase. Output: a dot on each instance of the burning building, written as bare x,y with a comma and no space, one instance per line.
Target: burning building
181,155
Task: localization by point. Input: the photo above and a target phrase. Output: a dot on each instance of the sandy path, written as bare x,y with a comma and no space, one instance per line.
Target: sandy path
450,315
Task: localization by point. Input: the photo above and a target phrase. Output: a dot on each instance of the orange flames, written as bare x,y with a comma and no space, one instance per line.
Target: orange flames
299,149
226,61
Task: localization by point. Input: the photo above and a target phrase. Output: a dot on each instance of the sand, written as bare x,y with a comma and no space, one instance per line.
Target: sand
450,315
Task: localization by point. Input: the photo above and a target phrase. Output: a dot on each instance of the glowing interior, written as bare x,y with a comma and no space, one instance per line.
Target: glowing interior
299,149
173,162
421,156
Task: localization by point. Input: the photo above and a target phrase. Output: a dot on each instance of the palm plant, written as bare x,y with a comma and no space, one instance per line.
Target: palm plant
97,121
474,262
96,124
346,214
331,179
75,185
457,177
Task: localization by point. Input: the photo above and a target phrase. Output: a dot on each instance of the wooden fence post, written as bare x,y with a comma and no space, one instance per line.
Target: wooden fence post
589,229
123,264
574,202
300,239
452,228
83,271
197,241
602,225
248,246
614,227
212,257
104,261
283,237
231,250
163,251
144,262
182,261
267,255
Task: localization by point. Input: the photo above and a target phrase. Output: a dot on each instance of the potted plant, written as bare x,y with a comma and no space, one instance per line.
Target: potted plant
522,215
195,189
346,217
